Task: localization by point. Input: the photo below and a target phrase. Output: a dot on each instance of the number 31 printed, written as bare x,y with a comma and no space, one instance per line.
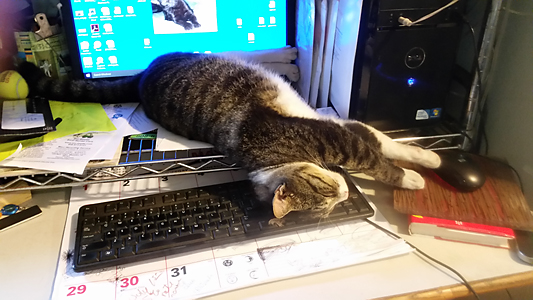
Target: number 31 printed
73,290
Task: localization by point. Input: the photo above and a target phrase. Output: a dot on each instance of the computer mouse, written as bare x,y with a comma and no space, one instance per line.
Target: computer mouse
460,170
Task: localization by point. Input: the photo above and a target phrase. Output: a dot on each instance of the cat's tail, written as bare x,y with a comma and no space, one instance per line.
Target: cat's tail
100,91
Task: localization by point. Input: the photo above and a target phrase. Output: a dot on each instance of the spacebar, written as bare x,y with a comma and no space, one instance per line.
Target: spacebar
176,242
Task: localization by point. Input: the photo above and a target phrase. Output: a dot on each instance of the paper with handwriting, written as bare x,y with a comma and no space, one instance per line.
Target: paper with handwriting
218,269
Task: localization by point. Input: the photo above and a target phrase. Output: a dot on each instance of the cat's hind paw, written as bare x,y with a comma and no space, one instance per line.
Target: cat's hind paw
412,180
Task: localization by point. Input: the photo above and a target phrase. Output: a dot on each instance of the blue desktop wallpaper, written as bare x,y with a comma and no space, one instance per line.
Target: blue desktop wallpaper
121,37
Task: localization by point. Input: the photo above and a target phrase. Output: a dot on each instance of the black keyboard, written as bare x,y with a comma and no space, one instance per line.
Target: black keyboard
140,228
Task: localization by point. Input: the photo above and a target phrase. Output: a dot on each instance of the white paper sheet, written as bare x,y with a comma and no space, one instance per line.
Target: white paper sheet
119,114
218,269
72,153
167,141
15,116
346,35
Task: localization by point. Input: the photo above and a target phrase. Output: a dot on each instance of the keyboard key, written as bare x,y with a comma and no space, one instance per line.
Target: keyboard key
123,205
148,201
197,228
136,230
185,230
172,233
146,237
168,198
110,234
131,240
170,243
236,230
163,225
126,251
226,215
88,211
213,217
96,246
176,223
86,258
188,221
111,207
136,204
159,235
201,219
223,224
108,254
220,233
149,228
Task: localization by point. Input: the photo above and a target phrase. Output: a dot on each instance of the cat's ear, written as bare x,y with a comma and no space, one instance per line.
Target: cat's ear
280,204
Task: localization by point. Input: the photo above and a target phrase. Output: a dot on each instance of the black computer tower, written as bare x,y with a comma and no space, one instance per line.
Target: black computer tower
402,74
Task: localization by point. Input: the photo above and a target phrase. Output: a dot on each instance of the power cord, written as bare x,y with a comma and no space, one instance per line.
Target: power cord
389,232
481,107
406,22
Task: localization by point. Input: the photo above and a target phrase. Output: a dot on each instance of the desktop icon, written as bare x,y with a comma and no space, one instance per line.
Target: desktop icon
130,9
87,61
97,44
147,42
251,36
113,60
110,44
92,12
84,45
272,4
105,11
78,13
261,20
239,22
99,60
272,20
82,30
108,27
117,10
95,28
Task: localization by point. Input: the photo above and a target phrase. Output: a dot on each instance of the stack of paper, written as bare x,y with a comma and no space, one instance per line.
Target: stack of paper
88,131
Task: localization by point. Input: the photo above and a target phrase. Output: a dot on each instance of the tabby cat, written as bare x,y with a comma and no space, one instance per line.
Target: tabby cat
256,119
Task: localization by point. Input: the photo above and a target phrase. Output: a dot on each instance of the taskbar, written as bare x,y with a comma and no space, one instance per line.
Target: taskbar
111,74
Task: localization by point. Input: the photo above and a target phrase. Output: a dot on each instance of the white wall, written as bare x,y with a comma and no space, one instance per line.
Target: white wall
510,92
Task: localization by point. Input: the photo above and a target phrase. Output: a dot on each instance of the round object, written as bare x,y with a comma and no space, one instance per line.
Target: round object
13,86
9,209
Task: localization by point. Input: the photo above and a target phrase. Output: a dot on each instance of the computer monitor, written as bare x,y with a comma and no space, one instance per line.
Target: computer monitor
116,38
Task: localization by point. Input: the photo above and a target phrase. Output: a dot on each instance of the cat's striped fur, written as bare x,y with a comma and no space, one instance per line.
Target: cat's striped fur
259,121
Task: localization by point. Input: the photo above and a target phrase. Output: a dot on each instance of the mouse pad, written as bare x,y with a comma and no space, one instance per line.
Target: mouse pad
499,202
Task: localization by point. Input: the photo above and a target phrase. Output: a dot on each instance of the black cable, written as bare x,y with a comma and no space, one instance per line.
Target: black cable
480,108
465,282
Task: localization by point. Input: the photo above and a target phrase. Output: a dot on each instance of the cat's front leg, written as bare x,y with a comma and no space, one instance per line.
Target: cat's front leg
394,150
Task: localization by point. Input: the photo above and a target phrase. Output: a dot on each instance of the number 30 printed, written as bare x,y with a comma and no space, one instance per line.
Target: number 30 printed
129,281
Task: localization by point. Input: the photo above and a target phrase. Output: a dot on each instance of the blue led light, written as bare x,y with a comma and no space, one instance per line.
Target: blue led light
411,81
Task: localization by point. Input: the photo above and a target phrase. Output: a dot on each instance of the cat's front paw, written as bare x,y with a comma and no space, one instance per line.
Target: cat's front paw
430,160
412,180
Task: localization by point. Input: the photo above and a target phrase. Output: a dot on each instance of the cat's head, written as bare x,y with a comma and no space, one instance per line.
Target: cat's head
302,186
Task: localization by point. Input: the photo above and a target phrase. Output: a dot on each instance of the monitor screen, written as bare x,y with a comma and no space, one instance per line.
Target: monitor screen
116,38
